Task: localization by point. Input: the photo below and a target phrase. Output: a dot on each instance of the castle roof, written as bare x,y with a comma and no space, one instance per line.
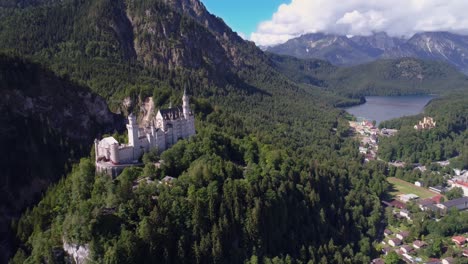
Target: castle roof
172,113
109,141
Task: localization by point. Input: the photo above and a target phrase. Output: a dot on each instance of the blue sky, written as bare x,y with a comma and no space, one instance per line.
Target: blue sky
243,16
270,22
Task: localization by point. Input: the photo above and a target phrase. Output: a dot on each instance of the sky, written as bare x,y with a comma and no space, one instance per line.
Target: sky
271,22
243,16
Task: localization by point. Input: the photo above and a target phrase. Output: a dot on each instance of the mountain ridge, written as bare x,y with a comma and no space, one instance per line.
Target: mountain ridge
442,46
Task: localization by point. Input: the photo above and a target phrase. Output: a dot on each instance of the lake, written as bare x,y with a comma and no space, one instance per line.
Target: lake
381,108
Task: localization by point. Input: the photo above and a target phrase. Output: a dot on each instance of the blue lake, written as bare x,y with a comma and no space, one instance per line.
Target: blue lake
381,108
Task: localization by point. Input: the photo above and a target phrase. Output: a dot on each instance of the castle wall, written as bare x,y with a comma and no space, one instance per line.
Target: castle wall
126,154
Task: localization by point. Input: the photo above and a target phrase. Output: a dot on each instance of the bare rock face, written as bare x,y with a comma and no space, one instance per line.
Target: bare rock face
79,253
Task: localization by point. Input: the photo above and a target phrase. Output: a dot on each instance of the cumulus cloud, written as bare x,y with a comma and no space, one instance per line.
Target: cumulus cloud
401,18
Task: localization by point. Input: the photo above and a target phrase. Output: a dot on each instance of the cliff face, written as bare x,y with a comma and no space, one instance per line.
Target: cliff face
47,123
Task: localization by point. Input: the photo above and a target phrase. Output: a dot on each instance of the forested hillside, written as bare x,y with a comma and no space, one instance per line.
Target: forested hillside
447,140
272,173
383,77
47,124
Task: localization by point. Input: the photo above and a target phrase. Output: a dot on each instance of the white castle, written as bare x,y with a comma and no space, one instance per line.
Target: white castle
164,130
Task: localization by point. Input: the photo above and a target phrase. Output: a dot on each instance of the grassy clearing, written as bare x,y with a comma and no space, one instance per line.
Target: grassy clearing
402,187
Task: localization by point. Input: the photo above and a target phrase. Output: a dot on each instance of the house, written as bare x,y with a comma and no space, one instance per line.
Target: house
408,197
425,204
465,253
378,261
397,204
417,244
406,249
405,213
433,261
459,240
394,242
437,189
408,257
387,232
460,204
448,260
418,183
402,235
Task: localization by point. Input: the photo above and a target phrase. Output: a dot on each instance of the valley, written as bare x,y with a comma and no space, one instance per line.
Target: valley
269,173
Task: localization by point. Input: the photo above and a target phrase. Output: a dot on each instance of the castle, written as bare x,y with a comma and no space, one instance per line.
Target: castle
164,130
426,123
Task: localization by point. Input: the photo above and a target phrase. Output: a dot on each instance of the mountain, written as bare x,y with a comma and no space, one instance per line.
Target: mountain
48,123
255,127
441,46
382,77
339,50
272,173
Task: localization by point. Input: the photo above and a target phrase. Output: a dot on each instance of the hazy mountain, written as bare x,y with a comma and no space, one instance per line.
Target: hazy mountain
339,50
381,77
443,46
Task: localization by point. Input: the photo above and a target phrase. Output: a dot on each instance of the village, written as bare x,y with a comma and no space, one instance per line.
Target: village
410,199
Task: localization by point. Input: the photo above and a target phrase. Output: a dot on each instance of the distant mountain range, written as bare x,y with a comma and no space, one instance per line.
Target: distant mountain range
343,50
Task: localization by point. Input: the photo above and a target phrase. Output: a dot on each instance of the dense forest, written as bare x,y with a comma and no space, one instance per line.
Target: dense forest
235,199
272,175
404,76
447,140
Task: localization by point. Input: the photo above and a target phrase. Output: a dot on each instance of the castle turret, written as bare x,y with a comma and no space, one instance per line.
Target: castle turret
185,105
114,153
132,128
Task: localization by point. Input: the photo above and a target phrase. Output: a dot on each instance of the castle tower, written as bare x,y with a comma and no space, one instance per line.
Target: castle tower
185,105
114,153
132,128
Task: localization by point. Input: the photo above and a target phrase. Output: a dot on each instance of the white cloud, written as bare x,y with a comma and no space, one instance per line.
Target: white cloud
400,18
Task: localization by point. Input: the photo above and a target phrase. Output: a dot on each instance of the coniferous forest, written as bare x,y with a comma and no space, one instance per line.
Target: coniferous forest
273,174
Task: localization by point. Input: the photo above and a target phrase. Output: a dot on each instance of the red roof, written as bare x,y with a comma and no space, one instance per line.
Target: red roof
436,198
462,183
460,240
398,204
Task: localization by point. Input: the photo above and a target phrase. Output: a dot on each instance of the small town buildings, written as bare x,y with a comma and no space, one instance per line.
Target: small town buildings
418,183
465,253
460,184
409,258
378,261
394,242
402,235
405,213
460,204
426,123
408,197
425,204
437,189
418,244
433,261
448,260
406,249
459,240
387,232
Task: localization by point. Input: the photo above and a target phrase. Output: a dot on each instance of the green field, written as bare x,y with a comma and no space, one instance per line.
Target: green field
403,187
